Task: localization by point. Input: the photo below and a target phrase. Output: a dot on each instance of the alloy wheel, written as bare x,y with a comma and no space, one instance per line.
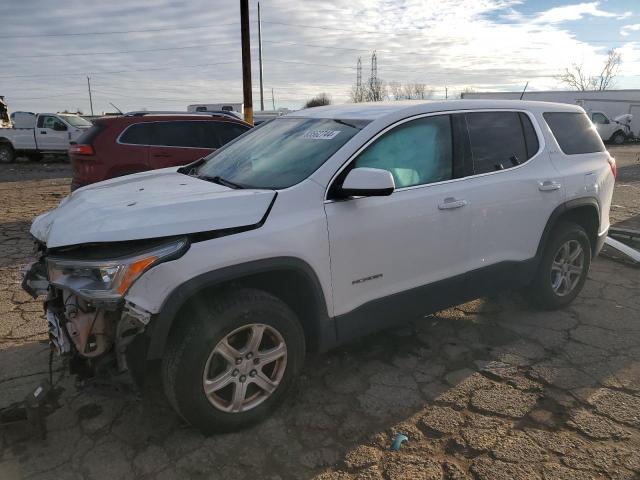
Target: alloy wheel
567,268
245,368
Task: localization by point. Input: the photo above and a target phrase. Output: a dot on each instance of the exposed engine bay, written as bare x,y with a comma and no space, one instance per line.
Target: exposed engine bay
93,332
78,328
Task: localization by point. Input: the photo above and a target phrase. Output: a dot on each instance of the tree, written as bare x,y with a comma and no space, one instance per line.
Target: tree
578,79
318,101
409,91
466,90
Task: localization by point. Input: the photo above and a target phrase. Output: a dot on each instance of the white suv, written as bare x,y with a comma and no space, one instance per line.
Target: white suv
315,228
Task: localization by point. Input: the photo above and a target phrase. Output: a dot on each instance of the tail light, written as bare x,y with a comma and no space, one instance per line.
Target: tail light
612,164
81,149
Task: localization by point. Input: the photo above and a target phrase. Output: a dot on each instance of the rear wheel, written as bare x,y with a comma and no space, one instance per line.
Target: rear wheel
618,138
7,154
229,365
563,268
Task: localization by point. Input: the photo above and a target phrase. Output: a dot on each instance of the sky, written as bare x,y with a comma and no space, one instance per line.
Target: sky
166,54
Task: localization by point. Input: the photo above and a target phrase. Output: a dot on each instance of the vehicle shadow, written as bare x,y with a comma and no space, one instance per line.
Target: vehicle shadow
476,387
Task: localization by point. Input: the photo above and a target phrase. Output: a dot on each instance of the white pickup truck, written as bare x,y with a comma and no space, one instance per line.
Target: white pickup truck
33,135
617,130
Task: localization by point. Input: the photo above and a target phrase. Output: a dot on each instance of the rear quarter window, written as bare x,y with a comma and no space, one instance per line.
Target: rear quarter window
574,132
137,134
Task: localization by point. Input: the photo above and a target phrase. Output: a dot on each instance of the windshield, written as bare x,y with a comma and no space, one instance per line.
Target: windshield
279,153
75,121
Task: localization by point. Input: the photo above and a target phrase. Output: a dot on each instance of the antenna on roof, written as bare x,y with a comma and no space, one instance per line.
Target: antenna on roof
524,90
119,111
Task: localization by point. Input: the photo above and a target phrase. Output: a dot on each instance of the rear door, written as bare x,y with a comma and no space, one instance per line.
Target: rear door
132,152
51,133
178,142
512,187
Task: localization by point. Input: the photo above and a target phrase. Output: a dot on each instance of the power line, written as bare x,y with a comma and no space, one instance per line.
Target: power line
114,32
72,54
117,71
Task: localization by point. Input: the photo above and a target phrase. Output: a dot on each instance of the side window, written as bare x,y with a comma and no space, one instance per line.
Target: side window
46,121
176,134
209,135
499,140
574,132
415,152
600,118
138,134
228,131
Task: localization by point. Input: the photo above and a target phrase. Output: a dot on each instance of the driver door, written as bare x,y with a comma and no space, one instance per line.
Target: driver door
401,255
51,133
603,125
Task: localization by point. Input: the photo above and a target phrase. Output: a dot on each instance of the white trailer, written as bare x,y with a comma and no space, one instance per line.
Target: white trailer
217,107
610,103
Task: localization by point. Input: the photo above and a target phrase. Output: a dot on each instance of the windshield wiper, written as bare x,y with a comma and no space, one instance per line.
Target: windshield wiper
221,181
347,124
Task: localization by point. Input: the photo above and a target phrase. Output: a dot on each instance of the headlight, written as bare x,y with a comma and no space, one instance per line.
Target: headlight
108,279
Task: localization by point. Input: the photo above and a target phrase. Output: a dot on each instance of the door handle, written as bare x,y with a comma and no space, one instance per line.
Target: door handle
161,155
43,132
450,203
549,185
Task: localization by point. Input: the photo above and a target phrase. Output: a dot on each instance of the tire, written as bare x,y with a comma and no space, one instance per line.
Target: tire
192,358
618,138
7,154
548,290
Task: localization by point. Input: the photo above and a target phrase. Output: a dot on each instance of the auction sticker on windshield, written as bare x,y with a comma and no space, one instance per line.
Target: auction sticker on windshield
321,134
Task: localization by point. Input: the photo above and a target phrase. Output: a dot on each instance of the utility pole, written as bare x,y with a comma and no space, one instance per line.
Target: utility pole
246,61
359,93
90,100
446,92
260,58
273,100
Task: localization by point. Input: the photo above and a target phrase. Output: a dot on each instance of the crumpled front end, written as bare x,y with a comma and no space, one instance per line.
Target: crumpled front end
88,316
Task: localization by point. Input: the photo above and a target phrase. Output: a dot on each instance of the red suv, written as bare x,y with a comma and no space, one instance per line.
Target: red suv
140,141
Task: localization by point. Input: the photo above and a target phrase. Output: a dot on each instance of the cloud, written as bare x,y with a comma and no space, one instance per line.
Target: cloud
627,29
194,54
572,12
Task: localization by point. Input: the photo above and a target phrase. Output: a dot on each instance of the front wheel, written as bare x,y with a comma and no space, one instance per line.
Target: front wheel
228,365
618,138
563,268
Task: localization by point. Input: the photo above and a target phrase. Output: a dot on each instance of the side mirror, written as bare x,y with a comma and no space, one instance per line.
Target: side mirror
59,127
368,182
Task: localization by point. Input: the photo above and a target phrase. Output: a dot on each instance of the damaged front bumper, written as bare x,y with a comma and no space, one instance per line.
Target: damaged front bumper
93,332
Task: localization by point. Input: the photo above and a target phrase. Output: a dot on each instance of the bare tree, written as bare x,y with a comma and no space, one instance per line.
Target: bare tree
396,90
376,90
318,101
466,90
578,79
357,94
409,91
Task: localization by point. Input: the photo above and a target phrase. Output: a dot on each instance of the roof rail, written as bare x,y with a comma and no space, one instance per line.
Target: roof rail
210,113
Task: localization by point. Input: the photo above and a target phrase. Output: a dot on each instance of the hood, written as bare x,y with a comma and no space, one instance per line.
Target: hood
152,204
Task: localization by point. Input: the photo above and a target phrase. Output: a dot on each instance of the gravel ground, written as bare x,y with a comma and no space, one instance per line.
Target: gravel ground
487,390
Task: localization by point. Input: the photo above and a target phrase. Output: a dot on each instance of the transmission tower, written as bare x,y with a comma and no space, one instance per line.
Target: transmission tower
374,68
373,80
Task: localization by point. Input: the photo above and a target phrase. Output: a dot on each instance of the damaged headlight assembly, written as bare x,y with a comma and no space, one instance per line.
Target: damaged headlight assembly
107,281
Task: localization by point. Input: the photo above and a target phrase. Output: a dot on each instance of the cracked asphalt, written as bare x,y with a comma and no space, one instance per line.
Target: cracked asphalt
488,390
